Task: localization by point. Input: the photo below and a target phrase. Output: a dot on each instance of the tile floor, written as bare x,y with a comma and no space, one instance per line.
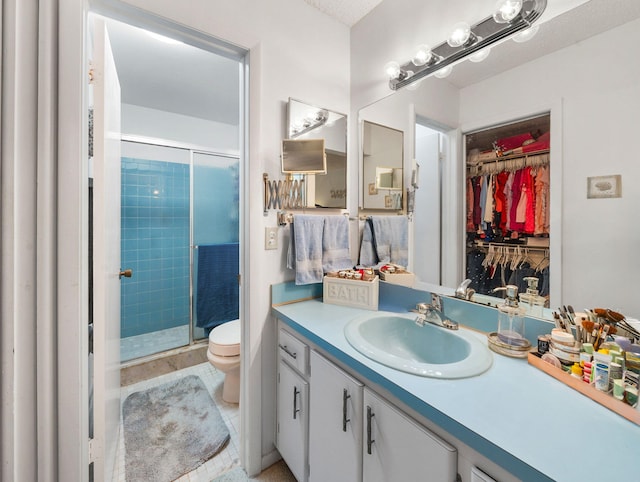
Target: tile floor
226,459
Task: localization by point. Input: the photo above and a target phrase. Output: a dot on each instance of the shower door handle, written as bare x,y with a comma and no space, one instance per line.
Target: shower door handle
127,273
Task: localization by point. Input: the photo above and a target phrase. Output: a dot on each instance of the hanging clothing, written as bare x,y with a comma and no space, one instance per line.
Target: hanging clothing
501,201
488,208
477,212
470,196
530,215
542,201
516,202
508,194
483,199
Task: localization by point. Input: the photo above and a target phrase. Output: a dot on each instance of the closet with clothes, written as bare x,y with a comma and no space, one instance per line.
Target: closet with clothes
508,205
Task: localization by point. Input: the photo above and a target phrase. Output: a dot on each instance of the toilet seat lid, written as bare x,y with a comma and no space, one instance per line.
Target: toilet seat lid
224,340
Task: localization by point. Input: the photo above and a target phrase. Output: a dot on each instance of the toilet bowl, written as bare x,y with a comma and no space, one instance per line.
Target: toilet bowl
224,354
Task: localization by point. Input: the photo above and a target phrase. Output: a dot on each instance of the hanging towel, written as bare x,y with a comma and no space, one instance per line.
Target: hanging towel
308,248
336,254
368,255
391,236
217,290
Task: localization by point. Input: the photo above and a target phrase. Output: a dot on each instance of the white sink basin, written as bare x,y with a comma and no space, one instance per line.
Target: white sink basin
395,340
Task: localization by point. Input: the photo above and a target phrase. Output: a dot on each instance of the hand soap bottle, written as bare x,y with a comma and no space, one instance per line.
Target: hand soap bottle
532,301
511,319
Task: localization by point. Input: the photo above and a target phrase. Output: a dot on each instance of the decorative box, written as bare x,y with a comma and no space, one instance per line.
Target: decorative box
404,278
349,292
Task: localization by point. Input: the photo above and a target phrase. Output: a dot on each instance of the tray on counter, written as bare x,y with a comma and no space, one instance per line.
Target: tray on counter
613,404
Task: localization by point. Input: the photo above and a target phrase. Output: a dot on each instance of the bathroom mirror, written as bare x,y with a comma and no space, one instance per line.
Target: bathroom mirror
382,166
588,110
308,125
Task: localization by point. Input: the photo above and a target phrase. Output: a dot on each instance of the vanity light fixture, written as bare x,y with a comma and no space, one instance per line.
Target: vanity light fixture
510,18
308,123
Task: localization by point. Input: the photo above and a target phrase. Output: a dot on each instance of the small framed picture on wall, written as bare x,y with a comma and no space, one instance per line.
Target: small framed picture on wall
604,186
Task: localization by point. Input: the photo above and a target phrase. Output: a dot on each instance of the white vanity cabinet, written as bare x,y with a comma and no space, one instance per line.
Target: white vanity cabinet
293,404
335,423
333,428
397,448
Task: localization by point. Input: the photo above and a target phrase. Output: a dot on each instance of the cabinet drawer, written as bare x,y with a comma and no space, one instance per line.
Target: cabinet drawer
293,351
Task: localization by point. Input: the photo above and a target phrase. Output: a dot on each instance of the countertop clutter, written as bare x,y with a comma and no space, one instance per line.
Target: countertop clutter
513,413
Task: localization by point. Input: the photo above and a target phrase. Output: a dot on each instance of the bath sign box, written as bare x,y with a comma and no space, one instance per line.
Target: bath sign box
355,293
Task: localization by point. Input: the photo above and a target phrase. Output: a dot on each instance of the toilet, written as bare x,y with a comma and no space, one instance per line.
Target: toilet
224,354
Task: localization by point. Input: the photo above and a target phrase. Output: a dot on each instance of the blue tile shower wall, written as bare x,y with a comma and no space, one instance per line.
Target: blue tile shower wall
155,244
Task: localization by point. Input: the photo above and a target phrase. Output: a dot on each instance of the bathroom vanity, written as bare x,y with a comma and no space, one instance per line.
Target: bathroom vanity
343,416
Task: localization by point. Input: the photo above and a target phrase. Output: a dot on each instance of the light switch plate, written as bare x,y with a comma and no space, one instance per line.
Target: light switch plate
270,238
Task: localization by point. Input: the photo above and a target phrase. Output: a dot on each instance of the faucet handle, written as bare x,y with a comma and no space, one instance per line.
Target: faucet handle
423,308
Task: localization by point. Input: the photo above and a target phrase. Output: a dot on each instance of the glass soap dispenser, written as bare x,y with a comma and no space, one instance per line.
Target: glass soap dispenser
511,319
532,301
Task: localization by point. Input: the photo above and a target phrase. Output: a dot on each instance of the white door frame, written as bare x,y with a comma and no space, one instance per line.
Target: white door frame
72,219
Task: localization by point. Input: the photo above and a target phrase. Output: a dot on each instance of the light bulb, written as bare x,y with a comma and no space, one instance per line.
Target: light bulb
460,34
480,55
527,34
392,69
444,72
507,10
422,56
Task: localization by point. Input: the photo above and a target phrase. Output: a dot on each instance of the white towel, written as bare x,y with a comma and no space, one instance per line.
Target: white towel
308,248
391,237
336,254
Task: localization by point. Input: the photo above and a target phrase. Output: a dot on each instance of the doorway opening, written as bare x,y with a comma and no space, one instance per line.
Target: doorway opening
180,160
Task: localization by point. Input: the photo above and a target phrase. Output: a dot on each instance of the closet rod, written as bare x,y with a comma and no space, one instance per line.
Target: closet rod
481,244
515,156
502,164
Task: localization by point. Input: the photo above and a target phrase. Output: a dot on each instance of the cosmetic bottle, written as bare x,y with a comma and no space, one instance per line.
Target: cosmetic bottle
511,318
531,300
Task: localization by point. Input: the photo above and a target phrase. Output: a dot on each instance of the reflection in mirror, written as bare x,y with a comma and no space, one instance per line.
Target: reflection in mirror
382,167
593,243
303,156
308,122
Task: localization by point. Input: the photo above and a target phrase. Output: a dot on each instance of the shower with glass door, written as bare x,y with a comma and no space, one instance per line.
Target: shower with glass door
179,235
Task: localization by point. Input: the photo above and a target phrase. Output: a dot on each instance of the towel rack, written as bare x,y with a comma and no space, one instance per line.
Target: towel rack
285,217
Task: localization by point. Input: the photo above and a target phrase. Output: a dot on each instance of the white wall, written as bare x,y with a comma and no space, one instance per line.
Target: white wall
295,51
146,122
598,83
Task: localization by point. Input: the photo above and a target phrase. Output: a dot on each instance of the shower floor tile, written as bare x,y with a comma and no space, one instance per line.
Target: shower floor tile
138,346
226,459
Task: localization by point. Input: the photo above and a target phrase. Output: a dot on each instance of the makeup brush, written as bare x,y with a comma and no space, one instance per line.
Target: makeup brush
588,328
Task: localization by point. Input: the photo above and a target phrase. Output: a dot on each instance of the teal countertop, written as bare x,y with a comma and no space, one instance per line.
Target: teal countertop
514,414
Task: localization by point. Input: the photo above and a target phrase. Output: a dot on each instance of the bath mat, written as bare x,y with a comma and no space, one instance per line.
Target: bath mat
170,430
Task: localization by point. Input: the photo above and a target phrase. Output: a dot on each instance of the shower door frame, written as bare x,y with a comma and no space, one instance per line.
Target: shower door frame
193,149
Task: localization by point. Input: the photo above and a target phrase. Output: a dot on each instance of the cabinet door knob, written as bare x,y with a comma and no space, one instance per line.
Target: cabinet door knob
345,397
370,441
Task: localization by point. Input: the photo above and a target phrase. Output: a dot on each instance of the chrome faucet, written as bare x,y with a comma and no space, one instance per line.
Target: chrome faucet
428,314
464,292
